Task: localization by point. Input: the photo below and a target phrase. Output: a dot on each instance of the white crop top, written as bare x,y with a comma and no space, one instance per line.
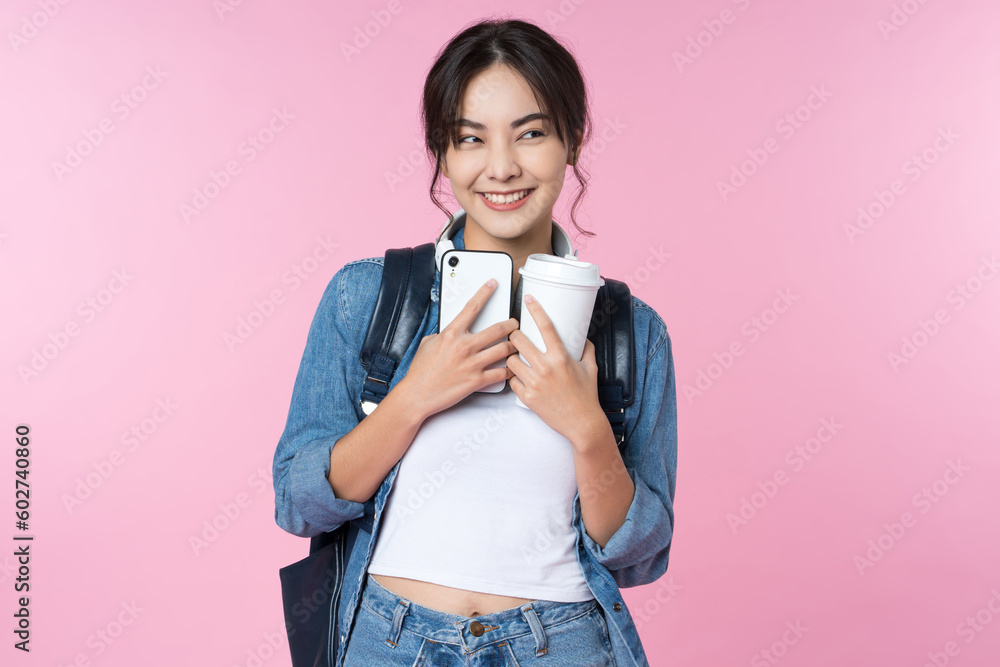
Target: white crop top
483,501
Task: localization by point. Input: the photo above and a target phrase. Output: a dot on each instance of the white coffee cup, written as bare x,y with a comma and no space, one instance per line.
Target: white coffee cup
566,289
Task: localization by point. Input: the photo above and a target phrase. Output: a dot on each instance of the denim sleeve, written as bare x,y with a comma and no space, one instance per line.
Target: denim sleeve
321,413
637,553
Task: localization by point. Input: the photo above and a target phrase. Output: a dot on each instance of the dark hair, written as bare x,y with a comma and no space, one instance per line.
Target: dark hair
548,67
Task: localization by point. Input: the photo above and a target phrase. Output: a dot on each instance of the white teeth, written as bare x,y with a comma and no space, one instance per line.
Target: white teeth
506,199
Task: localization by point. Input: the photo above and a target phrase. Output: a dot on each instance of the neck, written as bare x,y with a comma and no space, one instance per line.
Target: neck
538,240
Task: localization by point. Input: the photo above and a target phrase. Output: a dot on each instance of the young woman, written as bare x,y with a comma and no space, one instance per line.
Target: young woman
486,534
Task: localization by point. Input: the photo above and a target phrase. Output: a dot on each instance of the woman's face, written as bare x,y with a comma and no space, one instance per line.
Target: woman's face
501,152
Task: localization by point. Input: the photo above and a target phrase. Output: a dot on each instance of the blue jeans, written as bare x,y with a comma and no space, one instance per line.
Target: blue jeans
392,631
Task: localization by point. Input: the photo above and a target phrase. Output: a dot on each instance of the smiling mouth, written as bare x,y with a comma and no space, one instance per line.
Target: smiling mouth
507,198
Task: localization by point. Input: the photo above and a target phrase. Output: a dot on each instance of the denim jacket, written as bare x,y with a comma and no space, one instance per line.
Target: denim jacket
325,406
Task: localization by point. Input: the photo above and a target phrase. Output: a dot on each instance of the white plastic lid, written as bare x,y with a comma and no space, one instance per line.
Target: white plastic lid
565,270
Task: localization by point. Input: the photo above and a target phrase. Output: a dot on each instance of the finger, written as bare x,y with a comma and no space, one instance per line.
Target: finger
515,364
589,354
545,327
495,332
492,375
524,345
494,353
473,307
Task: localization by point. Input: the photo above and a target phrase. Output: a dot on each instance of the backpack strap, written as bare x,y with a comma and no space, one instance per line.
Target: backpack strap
407,278
613,334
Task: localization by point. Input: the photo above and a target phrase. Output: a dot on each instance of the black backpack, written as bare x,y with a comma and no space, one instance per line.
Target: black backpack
408,275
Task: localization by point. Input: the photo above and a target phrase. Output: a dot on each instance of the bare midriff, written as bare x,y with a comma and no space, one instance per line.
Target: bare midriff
447,599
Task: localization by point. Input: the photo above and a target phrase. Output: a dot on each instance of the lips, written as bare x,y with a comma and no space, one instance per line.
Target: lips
506,198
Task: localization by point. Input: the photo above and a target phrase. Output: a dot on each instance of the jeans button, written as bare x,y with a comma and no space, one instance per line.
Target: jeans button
476,628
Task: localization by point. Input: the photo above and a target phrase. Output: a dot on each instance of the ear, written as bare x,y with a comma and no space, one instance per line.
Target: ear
575,155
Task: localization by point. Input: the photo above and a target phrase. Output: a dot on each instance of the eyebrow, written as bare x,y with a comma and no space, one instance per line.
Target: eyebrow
515,124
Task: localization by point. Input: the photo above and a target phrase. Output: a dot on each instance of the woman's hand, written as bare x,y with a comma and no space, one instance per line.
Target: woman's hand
451,364
559,389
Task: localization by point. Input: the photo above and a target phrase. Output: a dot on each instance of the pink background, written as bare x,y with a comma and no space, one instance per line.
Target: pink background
732,589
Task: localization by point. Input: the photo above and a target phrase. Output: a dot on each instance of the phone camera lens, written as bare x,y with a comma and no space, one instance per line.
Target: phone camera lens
453,261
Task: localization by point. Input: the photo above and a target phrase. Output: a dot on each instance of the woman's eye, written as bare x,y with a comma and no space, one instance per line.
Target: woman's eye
469,139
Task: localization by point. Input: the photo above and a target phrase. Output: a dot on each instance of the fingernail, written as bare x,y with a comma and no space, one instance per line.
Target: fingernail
528,298
492,282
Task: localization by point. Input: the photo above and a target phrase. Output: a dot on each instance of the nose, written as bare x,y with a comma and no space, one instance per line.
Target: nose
501,161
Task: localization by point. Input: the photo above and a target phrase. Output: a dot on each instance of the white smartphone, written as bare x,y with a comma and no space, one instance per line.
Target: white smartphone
463,272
